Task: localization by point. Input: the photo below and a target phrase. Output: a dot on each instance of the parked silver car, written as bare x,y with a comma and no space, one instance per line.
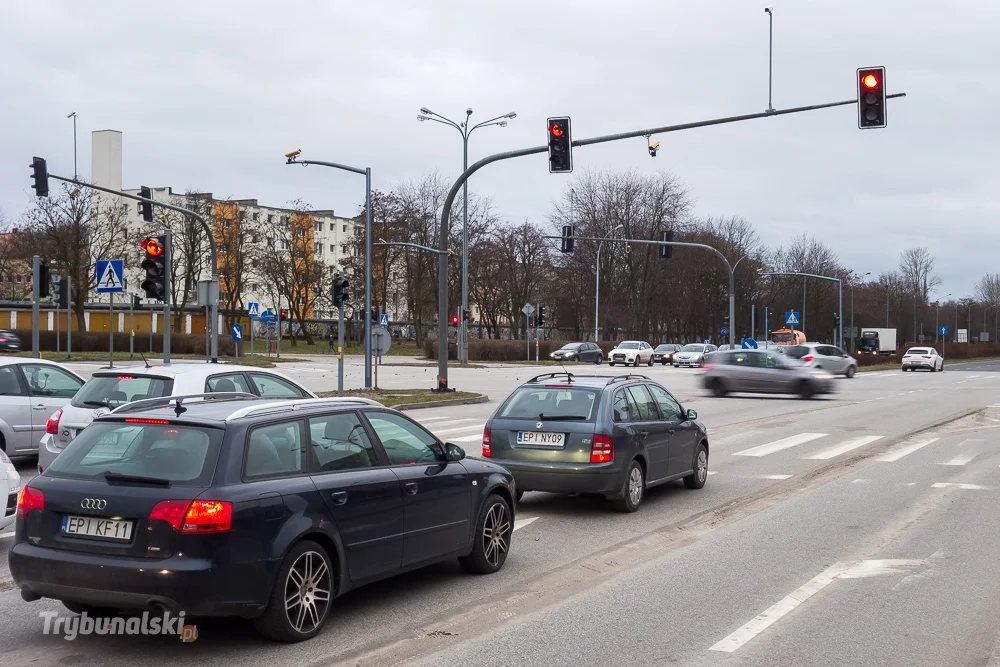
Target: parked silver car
763,372
693,354
30,391
109,389
826,357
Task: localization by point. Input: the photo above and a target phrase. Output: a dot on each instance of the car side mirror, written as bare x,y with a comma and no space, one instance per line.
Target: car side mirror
692,414
453,452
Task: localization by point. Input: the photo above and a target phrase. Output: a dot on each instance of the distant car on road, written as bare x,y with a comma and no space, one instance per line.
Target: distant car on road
579,352
107,390
693,354
252,508
826,357
922,357
9,341
631,353
754,371
614,436
664,354
31,390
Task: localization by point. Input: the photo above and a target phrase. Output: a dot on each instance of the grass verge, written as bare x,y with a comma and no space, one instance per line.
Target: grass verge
395,397
136,360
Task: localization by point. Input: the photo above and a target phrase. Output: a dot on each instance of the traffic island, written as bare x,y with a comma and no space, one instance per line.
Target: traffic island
412,399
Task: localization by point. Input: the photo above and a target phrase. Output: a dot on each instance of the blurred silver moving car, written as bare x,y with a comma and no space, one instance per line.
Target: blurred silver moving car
763,372
826,357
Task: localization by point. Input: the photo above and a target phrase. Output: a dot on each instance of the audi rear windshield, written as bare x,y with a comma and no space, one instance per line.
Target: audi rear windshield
141,452
539,403
110,390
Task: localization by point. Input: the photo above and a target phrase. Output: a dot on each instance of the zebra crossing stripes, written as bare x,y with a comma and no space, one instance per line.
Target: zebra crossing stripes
845,447
779,445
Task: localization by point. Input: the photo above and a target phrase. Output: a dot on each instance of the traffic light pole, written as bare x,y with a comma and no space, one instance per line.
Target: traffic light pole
168,252
340,350
839,337
69,309
35,296
212,249
442,380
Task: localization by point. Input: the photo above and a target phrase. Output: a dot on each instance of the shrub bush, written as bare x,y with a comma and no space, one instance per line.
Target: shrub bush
96,341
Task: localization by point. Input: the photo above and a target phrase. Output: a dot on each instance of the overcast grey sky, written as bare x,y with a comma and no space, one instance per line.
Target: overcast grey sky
239,83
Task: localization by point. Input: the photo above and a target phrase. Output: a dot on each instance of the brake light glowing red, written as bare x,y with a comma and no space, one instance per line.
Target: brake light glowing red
603,449
708,367
147,421
197,516
126,377
558,385
52,423
29,500
486,443
808,357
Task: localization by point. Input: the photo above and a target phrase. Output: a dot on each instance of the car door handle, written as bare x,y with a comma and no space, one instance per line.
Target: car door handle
643,433
38,407
411,488
339,497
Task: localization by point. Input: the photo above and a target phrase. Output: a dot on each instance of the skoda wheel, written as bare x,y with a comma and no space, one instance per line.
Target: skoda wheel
301,595
633,489
697,479
492,537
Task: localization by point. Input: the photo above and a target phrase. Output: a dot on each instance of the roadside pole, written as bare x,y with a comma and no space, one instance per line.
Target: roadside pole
277,347
35,291
536,333
131,326
69,309
58,279
168,253
111,329
340,351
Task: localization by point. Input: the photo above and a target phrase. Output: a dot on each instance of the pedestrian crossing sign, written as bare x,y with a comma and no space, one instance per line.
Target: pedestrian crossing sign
109,276
253,309
383,321
791,318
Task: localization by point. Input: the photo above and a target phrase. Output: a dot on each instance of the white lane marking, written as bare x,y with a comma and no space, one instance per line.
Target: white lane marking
902,450
961,459
432,419
773,476
957,485
521,523
710,472
6,534
455,421
778,445
845,447
861,481
461,429
847,570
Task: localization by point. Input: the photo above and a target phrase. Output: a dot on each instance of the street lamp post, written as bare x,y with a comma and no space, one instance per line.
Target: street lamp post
597,286
465,130
72,115
292,158
854,338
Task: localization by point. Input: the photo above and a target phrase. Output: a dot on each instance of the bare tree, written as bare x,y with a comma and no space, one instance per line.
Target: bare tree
916,267
72,231
237,234
988,289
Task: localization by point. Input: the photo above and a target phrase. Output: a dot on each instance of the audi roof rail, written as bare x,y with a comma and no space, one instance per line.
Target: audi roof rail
622,378
163,401
296,404
569,376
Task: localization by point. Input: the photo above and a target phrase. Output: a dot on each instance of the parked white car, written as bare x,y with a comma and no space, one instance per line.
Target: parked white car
31,390
631,353
10,486
109,389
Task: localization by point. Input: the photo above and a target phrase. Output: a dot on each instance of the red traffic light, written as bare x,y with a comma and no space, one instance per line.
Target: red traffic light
869,81
556,130
454,319
152,247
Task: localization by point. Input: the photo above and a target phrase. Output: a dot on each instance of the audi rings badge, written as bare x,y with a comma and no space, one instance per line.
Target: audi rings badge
93,503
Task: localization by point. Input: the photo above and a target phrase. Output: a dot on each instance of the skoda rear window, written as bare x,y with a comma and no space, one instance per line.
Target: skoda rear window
538,403
141,451
110,390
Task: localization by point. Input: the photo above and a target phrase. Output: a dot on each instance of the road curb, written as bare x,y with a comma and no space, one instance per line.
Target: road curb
435,404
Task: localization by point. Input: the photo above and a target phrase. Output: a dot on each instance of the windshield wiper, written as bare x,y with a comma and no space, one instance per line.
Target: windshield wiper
110,476
96,404
562,417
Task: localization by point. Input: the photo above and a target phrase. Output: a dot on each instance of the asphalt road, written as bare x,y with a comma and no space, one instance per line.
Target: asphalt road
858,529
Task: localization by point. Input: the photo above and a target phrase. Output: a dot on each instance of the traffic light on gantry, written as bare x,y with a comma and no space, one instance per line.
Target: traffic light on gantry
666,251
40,176
154,263
560,145
146,207
566,243
871,98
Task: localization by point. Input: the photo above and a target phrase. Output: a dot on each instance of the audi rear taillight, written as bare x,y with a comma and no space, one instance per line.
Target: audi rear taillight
52,423
197,516
29,500
603,449
808,357
486,443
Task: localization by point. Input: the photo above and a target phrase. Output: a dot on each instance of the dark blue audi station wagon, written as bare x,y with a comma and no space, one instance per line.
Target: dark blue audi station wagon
229,505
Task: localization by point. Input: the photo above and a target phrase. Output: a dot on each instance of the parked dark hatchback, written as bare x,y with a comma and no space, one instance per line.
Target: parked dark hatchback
664,354
251,508
615,436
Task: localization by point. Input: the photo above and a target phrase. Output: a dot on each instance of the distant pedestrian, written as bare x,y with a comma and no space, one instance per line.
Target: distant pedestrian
329,338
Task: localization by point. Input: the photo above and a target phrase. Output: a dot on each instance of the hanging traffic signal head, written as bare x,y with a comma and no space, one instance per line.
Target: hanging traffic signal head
146,207
155,265
566,244
871,98
560,145
40,176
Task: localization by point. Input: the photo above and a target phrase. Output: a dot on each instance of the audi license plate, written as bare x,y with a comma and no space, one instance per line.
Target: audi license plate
94,526
541,439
